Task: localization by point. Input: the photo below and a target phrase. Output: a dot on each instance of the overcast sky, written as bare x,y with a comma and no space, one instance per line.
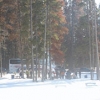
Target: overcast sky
97,1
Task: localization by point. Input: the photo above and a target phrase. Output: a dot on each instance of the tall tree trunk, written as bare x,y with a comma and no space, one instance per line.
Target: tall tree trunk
45,38
31,34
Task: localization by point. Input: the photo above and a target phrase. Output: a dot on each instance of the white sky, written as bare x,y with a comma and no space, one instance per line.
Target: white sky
97,1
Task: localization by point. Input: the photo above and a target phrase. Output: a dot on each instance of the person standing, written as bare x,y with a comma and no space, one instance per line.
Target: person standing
53,75
20,74
27,73
69,74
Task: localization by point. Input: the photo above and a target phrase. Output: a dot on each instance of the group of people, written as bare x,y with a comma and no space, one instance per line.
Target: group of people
63,75
28,73
54,74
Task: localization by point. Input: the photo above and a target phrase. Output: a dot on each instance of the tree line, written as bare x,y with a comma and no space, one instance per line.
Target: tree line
15,28
82,40
70,31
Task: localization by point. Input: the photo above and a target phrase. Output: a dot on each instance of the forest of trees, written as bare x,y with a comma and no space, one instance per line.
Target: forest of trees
83,21
62,30
15,27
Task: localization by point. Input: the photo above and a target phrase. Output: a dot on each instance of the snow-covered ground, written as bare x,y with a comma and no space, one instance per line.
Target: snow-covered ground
74,89
25,89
